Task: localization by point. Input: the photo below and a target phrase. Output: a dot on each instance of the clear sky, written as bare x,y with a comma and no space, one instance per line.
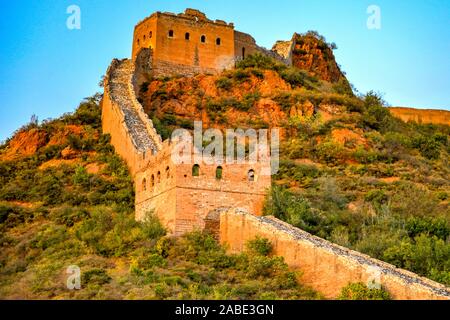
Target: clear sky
47,69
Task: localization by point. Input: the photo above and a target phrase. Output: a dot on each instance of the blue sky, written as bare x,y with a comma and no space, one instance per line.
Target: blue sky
47,69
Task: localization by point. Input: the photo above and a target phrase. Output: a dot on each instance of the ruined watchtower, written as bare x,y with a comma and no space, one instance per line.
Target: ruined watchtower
190,43
185,195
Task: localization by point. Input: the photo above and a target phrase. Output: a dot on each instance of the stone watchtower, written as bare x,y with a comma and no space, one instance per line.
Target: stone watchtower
189,43
186,196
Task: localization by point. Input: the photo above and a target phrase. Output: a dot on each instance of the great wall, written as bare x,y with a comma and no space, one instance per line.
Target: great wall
187,197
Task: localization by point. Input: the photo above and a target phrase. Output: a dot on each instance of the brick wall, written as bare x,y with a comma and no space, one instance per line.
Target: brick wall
183,201
186,44
326,267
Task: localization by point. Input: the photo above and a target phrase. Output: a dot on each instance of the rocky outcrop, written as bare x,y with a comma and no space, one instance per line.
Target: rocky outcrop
421,116
314,55
25,143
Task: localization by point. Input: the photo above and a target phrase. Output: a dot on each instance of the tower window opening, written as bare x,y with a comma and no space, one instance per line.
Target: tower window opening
168,172
158,177
203,39
150,35
187,36
195,170
153,180
218,41
251,175
170,33
144,184
219,173
243,53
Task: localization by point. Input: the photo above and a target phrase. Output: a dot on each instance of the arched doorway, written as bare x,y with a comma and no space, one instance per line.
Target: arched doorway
212,222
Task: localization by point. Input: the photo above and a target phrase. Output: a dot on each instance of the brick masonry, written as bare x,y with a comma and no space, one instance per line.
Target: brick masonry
189,43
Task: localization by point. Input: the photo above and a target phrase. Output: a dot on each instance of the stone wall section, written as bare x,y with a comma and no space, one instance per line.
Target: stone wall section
132,132
421,115
324,266
183,201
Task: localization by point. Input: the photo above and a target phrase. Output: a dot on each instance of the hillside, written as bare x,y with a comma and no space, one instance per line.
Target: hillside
67,199
350,173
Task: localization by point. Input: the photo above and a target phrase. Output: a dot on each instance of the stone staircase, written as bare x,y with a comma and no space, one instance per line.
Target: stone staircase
139,127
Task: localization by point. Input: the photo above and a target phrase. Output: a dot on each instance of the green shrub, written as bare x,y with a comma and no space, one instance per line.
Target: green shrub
49,237
95,277
260,61
259,246
260,266
69,215
331,153
241,75
82,177
299,78
152,260
429,147
377,197
163,246
359,291
248,101
152,227
438,227
428,256
224,83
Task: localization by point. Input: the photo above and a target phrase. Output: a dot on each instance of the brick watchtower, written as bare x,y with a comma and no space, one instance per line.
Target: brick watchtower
184,196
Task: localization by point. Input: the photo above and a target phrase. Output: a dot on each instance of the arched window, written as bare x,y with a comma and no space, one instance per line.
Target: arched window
218,41
145,37
187,36
150,35
170,33
243,53
153,180
195,170
158,177
219,172
203,39
251,175
144,184
167,172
